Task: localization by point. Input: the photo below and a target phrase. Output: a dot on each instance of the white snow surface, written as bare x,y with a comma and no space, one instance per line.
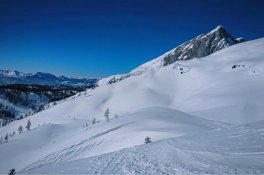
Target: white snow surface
210,135
236,150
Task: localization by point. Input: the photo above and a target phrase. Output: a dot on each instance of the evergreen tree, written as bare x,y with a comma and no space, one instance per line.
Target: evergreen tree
20,129
6,137
106,114
94,120
28,125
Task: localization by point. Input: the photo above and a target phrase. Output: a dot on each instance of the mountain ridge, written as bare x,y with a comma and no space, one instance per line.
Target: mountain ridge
198,47
42,78
171,56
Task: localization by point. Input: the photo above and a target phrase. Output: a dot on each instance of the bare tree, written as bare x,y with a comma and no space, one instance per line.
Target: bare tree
106,114
28,126
20,129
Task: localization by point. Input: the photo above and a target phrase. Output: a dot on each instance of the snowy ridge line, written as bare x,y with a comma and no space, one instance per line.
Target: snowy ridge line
200,46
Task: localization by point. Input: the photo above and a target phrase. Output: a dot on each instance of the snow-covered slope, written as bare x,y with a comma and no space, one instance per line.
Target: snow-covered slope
237,150
65,138
224,87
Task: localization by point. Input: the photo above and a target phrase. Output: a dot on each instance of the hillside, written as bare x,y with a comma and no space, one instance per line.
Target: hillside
18,101
196,112
239,150
23,94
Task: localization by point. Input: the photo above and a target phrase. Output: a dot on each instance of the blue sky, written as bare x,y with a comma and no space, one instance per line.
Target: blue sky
97,38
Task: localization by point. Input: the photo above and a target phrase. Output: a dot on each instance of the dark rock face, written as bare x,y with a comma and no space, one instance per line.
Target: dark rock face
202,46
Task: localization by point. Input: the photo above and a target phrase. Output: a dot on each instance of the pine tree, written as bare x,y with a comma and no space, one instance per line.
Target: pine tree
28,125
20,129
94,120
106,114
6,137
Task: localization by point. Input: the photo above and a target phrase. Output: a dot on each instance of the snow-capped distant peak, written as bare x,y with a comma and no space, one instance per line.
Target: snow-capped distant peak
10,73
220,27
41,78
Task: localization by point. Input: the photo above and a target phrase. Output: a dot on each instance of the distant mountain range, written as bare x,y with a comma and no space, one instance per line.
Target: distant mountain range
23,94
40,78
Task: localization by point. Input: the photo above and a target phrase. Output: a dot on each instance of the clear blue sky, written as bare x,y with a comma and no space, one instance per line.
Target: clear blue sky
97,38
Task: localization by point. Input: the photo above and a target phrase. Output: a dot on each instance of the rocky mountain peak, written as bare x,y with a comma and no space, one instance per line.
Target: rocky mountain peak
201,46
198,47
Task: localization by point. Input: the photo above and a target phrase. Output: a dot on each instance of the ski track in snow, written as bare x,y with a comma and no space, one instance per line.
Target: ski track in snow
207,153
73,151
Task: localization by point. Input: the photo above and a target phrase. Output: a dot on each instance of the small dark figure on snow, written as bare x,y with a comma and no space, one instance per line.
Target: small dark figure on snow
148,140
12,172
